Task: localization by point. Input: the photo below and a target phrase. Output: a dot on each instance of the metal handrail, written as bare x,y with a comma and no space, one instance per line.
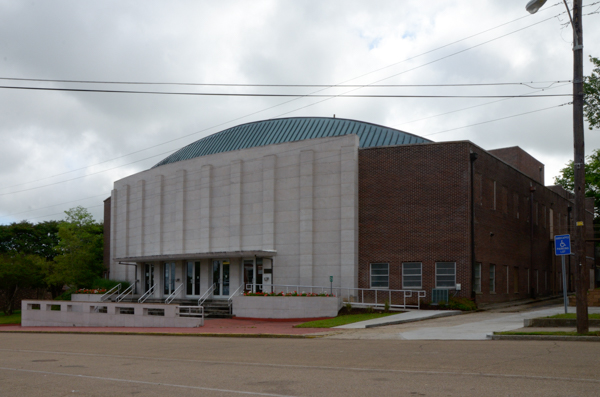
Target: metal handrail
355,296
207,294
147,294
189,311
236,292
111,292
123,294
172,296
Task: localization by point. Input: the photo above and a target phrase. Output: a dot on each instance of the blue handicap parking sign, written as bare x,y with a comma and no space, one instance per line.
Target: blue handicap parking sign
562,244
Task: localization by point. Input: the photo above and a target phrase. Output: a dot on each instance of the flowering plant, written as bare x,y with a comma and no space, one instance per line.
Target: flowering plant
91,291
295,293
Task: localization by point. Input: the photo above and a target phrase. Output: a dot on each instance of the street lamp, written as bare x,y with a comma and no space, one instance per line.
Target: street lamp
579,160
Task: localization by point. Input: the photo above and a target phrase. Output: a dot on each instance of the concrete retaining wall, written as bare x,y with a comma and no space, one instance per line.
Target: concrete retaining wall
86,297
285,306
43,313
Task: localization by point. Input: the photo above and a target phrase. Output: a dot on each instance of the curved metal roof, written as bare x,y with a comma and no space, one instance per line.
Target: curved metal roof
269,132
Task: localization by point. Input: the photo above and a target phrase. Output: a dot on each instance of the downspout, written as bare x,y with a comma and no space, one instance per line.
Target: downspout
473,157
531,229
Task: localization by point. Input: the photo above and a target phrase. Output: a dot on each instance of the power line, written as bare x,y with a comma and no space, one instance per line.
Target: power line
277,95
501,118
526,83
462,109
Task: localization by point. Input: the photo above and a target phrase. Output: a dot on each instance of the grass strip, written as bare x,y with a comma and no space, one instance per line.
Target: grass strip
573,316
14,318
342,320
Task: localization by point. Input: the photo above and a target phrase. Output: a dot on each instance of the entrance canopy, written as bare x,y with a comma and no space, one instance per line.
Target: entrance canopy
199,255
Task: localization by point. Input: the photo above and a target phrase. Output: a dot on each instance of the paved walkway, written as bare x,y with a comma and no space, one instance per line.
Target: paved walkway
469,326
401,318
217,326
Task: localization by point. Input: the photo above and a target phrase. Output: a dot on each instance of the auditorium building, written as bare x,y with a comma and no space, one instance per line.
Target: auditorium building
336,203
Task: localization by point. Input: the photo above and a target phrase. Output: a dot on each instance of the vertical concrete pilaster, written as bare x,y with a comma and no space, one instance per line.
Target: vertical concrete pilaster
235,205
114,252
307,158
268,204
158,214
349,216
180,209
137,208
206,183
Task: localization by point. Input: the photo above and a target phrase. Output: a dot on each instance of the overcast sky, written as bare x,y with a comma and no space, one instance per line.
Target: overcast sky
60,149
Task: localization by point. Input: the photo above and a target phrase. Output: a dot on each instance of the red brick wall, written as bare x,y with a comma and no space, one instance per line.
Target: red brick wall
413,207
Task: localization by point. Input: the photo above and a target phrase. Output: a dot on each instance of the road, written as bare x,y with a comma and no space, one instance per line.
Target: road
129,365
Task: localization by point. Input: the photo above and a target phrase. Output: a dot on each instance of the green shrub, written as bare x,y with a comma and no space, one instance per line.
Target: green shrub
464,304
102,283
386,306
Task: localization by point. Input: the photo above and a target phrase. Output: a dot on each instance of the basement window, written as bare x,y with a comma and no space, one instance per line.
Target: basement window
380,275
445,275
412,275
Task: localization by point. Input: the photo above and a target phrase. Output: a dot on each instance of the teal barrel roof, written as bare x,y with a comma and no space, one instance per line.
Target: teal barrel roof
269,132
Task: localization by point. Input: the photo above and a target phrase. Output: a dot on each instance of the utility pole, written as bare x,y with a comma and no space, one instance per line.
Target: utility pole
582,273
579,171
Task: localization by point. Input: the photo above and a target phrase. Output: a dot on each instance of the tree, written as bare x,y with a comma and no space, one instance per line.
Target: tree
79,251
592,180
18,271
25,250
591,87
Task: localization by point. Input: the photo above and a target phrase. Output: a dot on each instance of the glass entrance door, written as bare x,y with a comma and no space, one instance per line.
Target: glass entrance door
253,274
193,278
221,277
169,278
148,276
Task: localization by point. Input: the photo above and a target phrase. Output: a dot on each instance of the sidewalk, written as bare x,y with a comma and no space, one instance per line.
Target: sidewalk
401,318
212,327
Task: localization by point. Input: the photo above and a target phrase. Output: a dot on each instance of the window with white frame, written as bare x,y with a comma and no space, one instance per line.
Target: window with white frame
477,282
412,275
493,278
445,274
380,275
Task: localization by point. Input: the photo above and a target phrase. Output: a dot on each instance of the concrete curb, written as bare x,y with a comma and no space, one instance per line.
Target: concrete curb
412,320
212,335
548,337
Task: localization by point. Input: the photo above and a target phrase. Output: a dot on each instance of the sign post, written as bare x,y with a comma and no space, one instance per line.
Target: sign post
562,247
331,284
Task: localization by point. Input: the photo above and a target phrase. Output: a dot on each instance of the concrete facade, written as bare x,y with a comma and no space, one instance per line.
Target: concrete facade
285,307
294,203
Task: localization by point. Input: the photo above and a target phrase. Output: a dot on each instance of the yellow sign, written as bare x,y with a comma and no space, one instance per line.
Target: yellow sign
579,223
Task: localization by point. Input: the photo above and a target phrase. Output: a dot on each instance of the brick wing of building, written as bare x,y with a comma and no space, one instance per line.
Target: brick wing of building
336,203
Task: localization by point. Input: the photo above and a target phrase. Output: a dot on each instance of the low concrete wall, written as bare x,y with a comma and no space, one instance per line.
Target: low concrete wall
285,306
86,297
40,313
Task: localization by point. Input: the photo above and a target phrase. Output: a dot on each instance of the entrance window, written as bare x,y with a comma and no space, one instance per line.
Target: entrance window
493,278
148,276
380,275
169,273
221,277
193,278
